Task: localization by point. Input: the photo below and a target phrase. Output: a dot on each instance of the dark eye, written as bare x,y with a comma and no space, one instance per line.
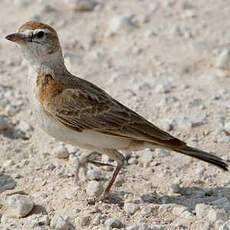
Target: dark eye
40,34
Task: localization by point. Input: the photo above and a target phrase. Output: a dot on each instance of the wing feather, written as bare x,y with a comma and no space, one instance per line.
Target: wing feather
94,109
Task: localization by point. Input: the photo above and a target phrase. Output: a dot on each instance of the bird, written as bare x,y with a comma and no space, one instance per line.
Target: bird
77,112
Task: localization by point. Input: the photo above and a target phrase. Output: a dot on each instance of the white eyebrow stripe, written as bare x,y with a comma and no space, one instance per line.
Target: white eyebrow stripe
42,29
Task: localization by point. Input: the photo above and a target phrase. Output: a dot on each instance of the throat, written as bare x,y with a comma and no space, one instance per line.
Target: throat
53,62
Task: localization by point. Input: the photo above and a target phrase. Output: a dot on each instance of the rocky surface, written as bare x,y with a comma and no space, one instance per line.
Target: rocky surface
167,60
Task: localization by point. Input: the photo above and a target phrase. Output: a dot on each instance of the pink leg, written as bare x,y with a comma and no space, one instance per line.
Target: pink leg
115,173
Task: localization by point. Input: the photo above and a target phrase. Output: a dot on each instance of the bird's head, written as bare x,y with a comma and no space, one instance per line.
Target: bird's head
39,42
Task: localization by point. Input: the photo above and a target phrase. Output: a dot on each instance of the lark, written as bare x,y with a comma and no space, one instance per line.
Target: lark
79,113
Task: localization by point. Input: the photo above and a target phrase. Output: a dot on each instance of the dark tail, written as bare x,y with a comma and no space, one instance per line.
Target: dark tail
204,156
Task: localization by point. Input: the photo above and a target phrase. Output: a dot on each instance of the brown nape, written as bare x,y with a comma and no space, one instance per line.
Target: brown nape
32,25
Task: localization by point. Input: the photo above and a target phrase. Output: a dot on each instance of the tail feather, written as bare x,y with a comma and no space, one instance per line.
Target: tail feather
204,156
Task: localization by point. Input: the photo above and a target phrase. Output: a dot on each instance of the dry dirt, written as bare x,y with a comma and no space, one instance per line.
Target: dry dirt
164,59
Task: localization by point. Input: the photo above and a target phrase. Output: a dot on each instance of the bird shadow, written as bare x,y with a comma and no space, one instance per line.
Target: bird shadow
191,196
187,196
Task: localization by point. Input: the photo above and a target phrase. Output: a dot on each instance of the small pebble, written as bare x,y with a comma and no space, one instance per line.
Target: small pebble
184,123
225,226
72,149
147,210
8,163
227,127
94,188
58,222
214,215
132,161
61,152
163,88
85,221
179,210
140,226
21,2
119,23
130,208
81,5
94,174
43,220
146,158
25,127
11,110
4,122
20,205
223,60
202,210
167,124
113,223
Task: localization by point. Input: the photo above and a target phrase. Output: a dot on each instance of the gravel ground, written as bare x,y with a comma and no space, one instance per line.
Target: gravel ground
169,61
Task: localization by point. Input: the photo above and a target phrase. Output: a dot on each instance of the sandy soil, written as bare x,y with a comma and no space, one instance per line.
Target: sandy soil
164,59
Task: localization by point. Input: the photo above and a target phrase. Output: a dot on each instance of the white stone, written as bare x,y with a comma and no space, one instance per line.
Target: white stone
81,5
132,161
211,213
22,2
72,149
85,221
146,158
94,188
223,60
94,174
119,23
130,208
162,153
11,110
140,226
25,127
43,220
184,123
163,88
225,226
8,163
147,210
167,124
61,152
113,223
178,210
214,215
58,222
20,205
227,127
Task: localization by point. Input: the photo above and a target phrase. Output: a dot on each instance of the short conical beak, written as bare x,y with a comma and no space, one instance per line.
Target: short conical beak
19,38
